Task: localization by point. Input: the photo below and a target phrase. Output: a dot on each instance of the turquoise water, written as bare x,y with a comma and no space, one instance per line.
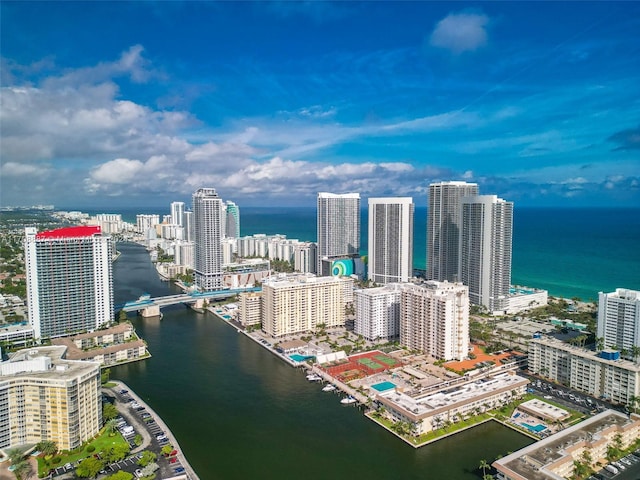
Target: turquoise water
383,386
571,252
299,358
534,428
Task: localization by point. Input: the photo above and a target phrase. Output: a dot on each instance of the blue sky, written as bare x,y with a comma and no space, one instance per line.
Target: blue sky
121,104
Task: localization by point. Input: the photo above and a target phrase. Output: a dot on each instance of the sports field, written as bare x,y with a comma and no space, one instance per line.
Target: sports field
362,365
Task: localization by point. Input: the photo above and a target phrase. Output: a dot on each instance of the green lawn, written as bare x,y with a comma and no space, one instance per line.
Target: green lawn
434,434
101,442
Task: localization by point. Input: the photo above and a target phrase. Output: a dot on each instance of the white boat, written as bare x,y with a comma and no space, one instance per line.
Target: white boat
328,388
314,378
348,400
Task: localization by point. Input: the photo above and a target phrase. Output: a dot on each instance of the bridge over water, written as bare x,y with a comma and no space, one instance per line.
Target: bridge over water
150,306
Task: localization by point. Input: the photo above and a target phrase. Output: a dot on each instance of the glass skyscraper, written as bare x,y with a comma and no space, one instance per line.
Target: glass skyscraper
338,217
443,228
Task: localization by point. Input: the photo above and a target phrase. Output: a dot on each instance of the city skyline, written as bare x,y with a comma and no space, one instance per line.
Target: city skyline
273,102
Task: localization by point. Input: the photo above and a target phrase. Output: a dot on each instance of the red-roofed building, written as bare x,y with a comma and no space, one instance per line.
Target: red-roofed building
69,280
71,232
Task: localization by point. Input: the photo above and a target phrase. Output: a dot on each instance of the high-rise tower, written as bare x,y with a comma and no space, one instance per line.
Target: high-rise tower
338,227
69,280
232,219
208,217
485,250
619,320
434,318
390,239
443,228
177,213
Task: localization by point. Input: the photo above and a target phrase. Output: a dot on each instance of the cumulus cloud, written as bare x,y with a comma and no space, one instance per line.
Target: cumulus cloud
460,32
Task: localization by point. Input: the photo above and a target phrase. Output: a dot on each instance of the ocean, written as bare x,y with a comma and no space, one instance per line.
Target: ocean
571,252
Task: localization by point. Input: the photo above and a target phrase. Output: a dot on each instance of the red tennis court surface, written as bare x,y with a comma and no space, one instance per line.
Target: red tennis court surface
360,365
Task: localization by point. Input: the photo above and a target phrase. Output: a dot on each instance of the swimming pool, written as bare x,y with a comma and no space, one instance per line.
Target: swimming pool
383,386
534,428
299,358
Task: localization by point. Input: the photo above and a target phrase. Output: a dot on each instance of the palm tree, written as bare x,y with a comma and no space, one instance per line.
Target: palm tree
634,402
635,353
599,343
110,427
47,447
15,455
483,466
22,469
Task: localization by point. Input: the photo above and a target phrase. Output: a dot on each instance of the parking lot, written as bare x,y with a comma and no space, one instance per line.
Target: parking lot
134,419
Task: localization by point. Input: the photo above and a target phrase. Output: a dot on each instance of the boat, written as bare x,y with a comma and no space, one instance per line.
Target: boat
328,388
312,377
348,400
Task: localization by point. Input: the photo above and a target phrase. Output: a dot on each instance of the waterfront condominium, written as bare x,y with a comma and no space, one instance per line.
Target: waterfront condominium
232,220
69,280
299,303
390,239
338,233
443,228
599,374
434,319
378,312
619,321
208,213
177,213
45,397
485,250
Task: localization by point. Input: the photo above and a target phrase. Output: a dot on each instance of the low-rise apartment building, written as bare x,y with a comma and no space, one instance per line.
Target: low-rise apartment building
109,346
553,458
599,374
433,410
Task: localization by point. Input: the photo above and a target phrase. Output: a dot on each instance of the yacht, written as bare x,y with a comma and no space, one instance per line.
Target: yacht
328,388
348,400
312,377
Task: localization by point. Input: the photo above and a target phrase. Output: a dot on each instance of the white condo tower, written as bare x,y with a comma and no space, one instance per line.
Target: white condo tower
207,218
443,228
485,250
390,249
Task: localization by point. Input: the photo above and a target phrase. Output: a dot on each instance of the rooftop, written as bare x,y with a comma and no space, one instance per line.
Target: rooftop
461,394
54,357
70,232
532,462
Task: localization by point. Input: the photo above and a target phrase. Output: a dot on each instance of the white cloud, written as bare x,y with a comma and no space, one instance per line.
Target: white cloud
460,32
118,171
13,169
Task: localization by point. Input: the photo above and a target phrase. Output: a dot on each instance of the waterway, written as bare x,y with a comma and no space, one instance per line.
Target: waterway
239,412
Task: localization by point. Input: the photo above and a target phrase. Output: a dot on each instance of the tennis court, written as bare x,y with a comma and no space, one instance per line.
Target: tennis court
361,365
